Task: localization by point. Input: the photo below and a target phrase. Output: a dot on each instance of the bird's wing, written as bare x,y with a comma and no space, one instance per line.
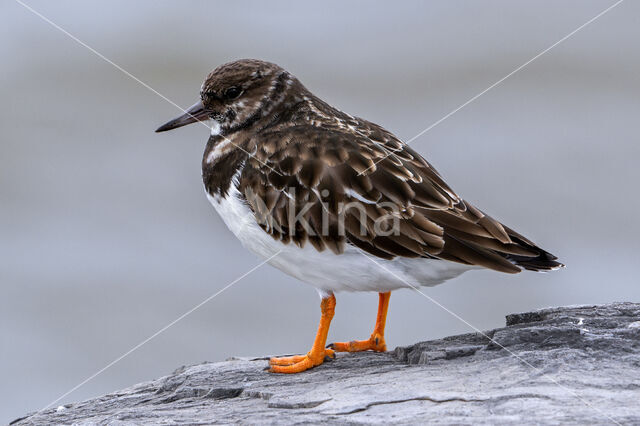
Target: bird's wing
363,186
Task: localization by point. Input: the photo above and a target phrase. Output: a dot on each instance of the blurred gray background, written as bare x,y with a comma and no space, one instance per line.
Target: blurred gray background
106,235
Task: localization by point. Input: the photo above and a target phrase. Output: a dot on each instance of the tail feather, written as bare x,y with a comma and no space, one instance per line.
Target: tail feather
544,261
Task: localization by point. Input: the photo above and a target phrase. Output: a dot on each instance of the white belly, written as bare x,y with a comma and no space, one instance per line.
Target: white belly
328,272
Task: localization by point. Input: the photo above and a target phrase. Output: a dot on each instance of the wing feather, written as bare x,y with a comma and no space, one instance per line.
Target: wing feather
342,184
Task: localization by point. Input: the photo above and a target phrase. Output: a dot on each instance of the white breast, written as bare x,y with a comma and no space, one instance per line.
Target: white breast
328,272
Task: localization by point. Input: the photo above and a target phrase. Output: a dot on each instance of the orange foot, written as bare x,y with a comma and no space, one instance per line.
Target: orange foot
375,343
318,353
299,363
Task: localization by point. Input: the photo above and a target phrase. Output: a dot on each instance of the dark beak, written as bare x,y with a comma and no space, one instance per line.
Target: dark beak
194,113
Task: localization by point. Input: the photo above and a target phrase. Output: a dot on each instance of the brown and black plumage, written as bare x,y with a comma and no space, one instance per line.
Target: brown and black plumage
283,163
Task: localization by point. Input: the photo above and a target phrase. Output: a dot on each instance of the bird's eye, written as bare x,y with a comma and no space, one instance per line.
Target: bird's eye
232,92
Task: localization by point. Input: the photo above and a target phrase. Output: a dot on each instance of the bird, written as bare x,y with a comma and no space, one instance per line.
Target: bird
337,201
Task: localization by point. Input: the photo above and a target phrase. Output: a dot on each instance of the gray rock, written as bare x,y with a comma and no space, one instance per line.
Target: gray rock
570,365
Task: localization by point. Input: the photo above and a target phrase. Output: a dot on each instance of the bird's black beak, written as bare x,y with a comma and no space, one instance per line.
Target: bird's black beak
194,113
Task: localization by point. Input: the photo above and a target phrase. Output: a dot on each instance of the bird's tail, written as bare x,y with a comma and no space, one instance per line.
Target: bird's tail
545,261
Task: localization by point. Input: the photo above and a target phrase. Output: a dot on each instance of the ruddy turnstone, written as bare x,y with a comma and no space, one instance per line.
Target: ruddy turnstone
329,192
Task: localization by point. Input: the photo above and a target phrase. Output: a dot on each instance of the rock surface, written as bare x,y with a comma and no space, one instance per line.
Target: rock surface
570,365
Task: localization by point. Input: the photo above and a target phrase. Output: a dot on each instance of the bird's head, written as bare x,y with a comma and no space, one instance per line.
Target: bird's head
237,95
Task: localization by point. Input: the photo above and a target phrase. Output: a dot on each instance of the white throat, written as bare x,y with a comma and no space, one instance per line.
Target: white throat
215,127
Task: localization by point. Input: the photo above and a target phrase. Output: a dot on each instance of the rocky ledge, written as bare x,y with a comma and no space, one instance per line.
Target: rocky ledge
574,365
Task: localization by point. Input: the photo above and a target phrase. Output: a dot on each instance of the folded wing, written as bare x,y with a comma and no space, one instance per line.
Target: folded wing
359,185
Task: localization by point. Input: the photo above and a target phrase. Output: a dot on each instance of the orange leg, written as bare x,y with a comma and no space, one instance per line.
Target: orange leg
317,354
376,341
